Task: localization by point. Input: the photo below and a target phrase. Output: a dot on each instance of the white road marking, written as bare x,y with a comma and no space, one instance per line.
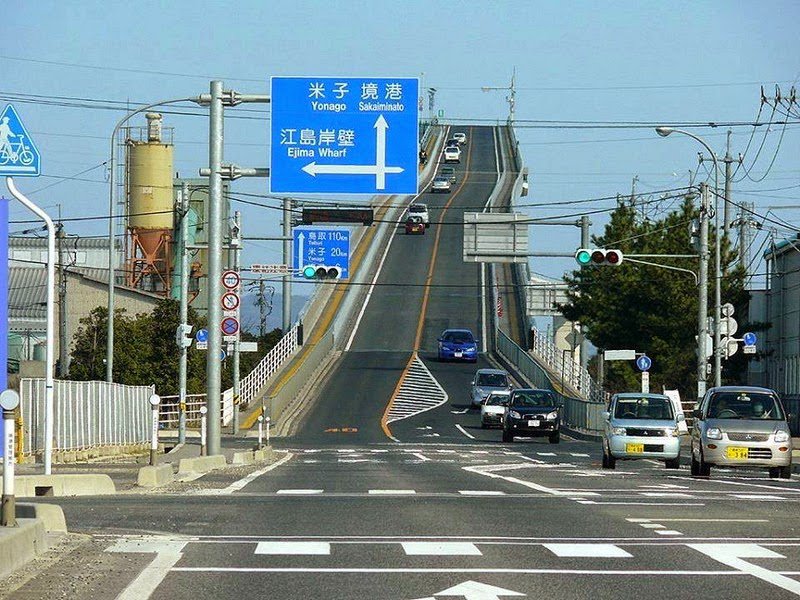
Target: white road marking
294,548
168,553
238,485
583,493
481,493
653,503
578,454
665,495
652,525
766,497
732,555
449,570
545,454
298,492
464,431
440,549
392,492
667,532
487,471
587,550
419,392
420,456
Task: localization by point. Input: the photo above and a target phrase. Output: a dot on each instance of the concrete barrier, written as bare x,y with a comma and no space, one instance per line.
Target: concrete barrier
50,515
21,544
68,484
154,476
250,457
201,464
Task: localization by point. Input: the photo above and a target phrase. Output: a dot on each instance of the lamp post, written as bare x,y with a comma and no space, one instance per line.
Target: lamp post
512,95
112,251
664,132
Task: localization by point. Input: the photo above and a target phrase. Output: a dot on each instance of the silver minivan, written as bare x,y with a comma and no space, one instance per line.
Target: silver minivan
641,426
740,426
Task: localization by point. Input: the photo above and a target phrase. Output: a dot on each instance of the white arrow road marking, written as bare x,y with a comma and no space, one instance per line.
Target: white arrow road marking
732,555
475,590
168,552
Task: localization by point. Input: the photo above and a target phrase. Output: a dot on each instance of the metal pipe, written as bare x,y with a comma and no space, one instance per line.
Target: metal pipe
213,363
184,312
286,285
236,363
49,320
702,313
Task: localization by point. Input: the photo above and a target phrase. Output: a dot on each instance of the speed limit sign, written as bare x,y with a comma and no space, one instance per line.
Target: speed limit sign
231,279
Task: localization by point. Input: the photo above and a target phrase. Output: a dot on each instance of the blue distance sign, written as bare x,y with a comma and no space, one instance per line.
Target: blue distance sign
644,362
344,135
749,339
329,247
18,154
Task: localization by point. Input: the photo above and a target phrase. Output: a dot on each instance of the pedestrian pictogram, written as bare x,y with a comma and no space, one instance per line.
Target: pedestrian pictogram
231,280
644,362
18,154
230,326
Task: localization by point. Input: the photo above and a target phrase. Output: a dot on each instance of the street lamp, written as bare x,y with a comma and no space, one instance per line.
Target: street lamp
664,132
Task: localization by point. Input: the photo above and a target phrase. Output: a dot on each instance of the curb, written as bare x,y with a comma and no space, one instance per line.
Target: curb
21,544
67,484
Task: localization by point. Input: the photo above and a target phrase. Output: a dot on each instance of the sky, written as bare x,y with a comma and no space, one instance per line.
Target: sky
581,64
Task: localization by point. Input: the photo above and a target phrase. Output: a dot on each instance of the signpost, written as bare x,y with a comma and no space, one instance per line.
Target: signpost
643,363
619,355
329,247
344,135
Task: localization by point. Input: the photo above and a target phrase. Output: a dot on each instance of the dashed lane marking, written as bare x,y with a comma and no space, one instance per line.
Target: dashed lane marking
392,492
299,492
481,493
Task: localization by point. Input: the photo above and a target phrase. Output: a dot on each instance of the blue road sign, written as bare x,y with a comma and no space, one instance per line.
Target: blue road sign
750,339
644,362
3,304
329,247
344,135
18,154
201,335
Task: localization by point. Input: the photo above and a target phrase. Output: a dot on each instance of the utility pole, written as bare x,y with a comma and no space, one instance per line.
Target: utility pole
63,349
727,160
236,243
702,313
286,283
184,310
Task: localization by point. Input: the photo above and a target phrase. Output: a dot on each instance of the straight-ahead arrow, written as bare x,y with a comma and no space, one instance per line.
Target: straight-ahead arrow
300,256
475,590
380,152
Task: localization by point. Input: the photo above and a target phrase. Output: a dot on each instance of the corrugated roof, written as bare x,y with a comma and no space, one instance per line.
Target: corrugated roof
72,242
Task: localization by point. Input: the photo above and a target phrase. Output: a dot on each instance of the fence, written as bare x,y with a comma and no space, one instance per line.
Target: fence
86,414
572,374
255,380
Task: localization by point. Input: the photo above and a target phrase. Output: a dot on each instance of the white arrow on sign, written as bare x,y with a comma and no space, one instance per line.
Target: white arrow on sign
475,590
301,238
379,169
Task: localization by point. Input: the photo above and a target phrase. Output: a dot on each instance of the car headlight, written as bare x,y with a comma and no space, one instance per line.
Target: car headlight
514,414
618,431
552,415
781,435
714,433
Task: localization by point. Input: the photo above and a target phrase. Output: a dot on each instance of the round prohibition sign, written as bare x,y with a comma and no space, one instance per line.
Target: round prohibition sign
229,326
231,280
229,301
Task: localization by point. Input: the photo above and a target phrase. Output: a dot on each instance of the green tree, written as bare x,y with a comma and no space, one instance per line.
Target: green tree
647,308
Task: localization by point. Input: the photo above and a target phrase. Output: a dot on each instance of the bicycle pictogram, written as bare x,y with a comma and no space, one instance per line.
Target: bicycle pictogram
16,152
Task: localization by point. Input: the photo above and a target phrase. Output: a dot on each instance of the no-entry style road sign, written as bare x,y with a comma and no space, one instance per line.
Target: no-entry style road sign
18,154
344,135
329,247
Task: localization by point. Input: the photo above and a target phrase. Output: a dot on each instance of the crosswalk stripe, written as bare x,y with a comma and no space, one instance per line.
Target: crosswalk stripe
440,549
392,492
299,492
587,550
294,548
481,493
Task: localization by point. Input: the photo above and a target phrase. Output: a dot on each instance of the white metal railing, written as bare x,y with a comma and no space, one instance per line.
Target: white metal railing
86,414
255,380
572,374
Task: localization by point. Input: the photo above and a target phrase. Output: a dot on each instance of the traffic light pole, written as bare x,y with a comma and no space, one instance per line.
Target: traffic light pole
585,223
702,313
237,245
184,312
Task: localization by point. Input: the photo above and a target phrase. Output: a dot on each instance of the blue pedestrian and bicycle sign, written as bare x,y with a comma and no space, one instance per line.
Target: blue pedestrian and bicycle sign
201,335
344,135
18,154
321,247
644,362
749,339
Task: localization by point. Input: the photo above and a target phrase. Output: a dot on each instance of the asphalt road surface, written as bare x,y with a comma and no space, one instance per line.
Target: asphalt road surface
431,505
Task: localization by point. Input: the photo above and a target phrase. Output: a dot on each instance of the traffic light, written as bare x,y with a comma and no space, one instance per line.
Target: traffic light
598,257
321,272
183,335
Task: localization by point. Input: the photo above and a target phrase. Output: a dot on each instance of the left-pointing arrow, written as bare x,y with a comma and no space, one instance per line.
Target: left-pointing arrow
314,169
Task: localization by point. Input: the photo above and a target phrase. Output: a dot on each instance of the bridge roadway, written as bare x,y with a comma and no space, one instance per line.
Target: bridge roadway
435,510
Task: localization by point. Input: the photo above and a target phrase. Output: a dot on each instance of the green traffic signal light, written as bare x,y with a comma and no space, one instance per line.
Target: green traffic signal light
310,272
583,257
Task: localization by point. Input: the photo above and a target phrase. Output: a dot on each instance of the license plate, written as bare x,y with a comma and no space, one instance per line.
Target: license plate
634,448
458,354
736,453
533,423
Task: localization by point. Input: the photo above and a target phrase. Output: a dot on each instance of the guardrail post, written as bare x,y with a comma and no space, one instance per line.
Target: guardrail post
203,425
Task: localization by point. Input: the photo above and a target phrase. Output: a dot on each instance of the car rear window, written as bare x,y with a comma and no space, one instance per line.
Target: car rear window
496,400
643,408
744,405
458,337
448,171
492,380
417,208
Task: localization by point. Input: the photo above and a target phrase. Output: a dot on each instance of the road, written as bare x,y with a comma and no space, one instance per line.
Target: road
431,505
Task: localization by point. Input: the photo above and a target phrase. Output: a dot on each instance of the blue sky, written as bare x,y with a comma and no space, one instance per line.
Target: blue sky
575,61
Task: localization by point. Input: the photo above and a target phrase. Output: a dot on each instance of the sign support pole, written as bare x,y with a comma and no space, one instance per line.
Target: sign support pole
50,312
286,284
236,373
9,401
184,313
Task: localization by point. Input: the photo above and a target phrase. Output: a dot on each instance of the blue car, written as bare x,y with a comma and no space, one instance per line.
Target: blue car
458,344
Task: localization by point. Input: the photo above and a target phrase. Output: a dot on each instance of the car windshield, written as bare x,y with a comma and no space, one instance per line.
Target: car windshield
492,380
496,400
458,337
744,405
452,150
533,398
440,180
643,407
